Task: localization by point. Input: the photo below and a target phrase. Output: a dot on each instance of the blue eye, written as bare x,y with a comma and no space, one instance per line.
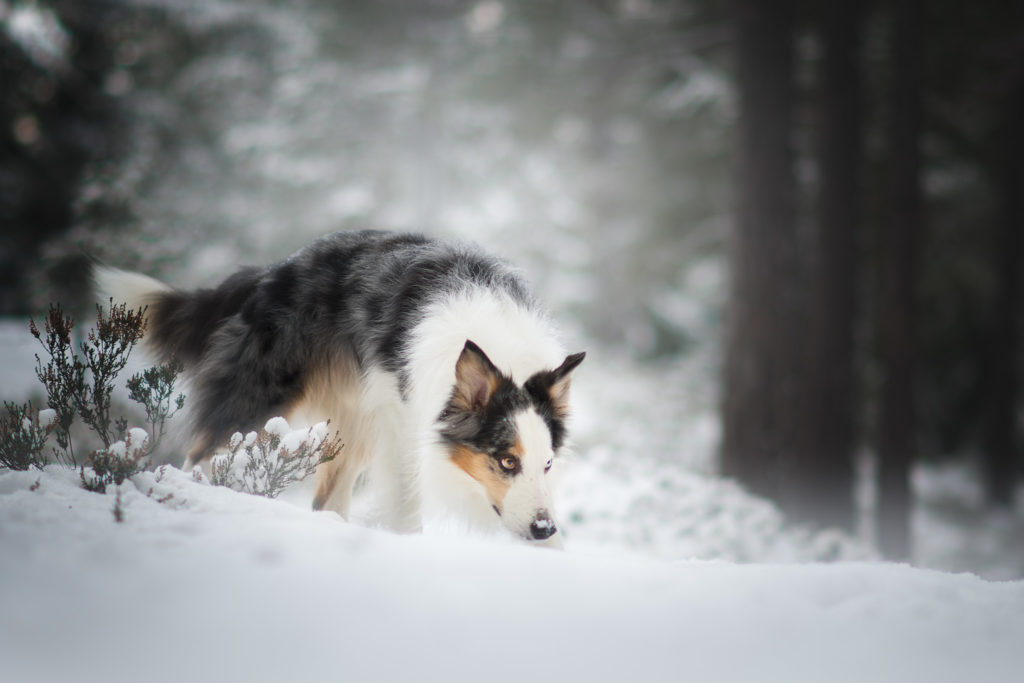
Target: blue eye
548,465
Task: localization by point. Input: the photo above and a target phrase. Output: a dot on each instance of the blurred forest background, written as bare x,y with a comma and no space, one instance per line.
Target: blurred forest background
821,201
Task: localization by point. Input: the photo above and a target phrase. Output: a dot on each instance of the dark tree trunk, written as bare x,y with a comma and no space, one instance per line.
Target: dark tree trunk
896,298
759,410
825,476
1003,445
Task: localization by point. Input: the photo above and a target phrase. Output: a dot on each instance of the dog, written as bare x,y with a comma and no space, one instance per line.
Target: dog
431,359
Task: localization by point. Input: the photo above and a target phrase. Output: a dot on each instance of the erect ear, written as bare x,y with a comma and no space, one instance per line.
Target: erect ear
476,378
555,383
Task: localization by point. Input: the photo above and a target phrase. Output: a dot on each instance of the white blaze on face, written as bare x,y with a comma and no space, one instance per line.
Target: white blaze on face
529,494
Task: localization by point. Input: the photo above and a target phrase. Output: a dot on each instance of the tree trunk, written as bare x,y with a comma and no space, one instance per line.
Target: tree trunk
825,481
896,298
759,410
1002,448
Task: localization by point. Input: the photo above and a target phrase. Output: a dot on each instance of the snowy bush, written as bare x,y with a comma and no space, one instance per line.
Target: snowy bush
79,385
274,458
23,432
116,462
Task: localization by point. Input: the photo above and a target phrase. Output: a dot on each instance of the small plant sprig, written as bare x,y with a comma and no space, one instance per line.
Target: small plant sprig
274,458
63,375
153,389
106,350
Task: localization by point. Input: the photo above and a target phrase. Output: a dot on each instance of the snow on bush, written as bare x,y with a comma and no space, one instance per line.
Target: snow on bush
118,461
79,384
273,459
23,433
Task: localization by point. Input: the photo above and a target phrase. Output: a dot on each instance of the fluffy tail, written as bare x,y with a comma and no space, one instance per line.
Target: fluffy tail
179,324
135,289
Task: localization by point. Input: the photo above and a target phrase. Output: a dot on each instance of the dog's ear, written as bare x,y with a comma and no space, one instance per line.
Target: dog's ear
476,379
553,385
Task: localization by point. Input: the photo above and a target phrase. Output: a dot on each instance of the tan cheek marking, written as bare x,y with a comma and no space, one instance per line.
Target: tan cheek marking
482,468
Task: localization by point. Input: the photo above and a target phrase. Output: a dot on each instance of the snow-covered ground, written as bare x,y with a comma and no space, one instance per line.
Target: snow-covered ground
203,583
669,574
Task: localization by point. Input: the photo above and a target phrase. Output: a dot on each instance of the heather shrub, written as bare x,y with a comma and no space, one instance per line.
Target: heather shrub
267,462
23,433
79,384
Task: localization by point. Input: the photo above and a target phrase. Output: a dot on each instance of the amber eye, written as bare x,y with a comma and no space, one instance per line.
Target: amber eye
508,463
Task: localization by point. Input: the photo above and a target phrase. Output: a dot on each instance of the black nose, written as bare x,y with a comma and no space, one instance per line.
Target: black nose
542,526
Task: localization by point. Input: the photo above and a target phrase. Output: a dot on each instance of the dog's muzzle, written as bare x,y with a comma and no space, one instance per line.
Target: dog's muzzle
542,526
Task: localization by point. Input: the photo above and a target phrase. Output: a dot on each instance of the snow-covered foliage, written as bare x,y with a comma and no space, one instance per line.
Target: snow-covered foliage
112,464
37,32
254,127
274,458
79,385
23,432
645,438
79,379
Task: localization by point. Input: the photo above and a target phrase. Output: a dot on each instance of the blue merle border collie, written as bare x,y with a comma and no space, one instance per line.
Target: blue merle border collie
431,359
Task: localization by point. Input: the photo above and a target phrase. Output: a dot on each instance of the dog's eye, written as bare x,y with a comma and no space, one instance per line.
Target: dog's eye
508,463
548,465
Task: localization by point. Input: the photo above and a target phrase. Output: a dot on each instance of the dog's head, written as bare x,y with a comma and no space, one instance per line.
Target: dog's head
506,436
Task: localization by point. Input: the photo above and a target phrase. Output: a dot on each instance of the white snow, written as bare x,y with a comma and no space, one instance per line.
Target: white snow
278,426
295,439
37,31
204,583
138,438
118,449
47,417
133,446
17,370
